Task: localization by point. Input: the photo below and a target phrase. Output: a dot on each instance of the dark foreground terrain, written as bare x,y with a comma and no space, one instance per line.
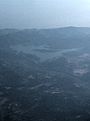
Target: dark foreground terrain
45,74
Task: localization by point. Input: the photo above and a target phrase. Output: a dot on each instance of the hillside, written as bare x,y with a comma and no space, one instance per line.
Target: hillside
44,74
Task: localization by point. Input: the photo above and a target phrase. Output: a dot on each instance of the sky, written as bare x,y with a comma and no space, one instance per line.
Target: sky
44,13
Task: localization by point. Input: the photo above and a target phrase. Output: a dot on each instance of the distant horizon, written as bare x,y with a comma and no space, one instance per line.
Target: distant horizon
44,28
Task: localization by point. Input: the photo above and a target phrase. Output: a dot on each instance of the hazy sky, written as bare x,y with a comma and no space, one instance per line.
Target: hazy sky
44,13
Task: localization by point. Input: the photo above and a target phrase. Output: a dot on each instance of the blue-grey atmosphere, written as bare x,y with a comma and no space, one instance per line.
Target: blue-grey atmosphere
44,60
44,13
